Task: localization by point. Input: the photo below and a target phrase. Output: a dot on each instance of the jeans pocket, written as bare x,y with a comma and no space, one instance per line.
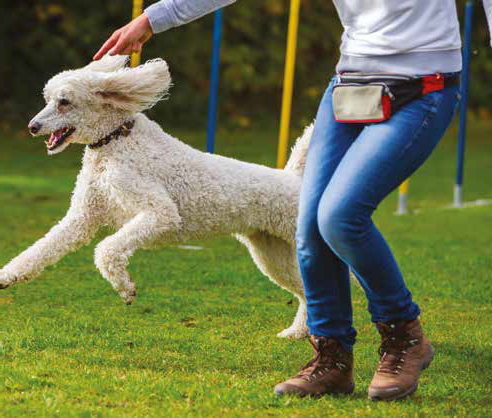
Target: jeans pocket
431,101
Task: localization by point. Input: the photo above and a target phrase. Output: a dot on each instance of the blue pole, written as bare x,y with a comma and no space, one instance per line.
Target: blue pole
458,188
214,82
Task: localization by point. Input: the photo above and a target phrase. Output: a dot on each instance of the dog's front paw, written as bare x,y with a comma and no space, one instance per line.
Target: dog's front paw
129,292
6,279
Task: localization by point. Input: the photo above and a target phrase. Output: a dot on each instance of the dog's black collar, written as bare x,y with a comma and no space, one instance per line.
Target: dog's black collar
123,130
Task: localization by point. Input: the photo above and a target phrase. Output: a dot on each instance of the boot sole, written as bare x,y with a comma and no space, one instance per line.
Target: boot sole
377,396
302,394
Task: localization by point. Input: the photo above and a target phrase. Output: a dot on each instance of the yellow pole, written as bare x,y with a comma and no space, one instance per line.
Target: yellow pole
402,197
137,11
290,61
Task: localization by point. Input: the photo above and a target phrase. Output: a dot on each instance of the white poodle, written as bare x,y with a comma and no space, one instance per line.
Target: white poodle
153,189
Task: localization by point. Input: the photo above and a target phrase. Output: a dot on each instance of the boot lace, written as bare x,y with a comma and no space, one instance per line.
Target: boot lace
327,357
394,345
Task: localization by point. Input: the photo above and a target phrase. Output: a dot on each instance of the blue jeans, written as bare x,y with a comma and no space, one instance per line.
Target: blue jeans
350,169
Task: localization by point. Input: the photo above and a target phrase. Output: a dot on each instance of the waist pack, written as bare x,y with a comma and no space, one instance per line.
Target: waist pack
371,98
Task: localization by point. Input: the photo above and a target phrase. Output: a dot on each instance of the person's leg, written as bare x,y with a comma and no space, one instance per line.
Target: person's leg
378,161
325,276
382,157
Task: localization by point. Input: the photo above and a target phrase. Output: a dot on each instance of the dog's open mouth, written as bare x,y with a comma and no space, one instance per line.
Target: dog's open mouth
58,137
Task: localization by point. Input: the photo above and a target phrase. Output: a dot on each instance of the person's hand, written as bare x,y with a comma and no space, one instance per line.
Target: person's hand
127,39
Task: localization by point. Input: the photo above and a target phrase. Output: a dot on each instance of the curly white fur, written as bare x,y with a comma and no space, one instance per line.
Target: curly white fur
154,189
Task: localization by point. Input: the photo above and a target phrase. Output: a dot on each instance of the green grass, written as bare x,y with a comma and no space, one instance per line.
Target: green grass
200,337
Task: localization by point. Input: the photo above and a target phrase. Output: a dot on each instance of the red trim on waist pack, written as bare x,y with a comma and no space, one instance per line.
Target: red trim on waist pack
386,102
432,83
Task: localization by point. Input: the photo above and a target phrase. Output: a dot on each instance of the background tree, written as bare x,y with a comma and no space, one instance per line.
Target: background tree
41,37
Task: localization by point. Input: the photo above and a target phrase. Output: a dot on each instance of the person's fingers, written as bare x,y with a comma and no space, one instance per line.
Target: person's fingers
127,39
123,42
127,51
108,44
128,43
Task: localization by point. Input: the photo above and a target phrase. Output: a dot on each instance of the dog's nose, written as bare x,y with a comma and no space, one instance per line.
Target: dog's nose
34,127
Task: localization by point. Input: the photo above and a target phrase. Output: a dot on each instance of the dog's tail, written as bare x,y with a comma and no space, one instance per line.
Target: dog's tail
297,159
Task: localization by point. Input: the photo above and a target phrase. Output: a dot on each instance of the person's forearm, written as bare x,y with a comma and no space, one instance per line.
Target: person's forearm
487,5
167,14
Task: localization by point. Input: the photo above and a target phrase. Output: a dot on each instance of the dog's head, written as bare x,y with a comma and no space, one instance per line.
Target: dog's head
84,105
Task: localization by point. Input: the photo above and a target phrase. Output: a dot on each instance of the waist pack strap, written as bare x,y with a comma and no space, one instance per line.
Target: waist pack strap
438,82
408,91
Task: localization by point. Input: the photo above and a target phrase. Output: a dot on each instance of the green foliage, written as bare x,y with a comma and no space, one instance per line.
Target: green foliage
200,338
42,37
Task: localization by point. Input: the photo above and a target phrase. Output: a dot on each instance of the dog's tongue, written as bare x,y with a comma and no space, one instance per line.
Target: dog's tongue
52,140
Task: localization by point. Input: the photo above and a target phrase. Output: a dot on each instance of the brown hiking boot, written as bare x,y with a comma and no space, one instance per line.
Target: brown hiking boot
404,351
331,371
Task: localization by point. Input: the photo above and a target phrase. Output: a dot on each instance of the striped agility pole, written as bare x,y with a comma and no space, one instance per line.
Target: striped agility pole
214,82
458,187
290,60
137,11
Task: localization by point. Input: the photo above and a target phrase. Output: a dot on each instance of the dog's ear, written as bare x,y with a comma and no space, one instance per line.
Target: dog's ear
135,89
108,63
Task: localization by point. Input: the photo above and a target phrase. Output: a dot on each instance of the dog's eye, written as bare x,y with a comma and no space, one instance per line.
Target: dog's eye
63,102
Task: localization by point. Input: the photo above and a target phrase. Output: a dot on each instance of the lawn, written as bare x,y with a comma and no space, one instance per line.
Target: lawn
200,338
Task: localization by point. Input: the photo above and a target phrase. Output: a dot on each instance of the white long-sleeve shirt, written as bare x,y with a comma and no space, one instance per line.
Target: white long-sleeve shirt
402,36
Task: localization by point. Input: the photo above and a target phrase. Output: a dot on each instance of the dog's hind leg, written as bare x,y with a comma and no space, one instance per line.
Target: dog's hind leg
276,259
